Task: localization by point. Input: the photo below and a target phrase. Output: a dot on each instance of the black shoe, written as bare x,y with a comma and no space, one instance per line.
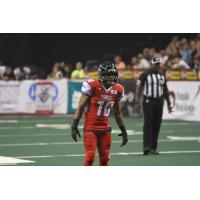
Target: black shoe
153,152
146,152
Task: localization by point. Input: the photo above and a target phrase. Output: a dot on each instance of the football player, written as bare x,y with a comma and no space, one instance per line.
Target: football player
98,97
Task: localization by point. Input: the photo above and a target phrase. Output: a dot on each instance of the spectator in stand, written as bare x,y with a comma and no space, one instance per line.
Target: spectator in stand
34,73
173,47
198,36
134,63
168,65
62,64
8,75
27,72
163,56
193,46
91,65
179,63
2,71
19,73
196,62
67,71
22,73
169,53
143,63
198,47
152,53
119,63
185,51
146,54
78,73
56,72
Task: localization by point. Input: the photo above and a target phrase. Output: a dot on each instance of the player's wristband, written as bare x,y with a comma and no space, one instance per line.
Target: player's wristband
75,123
123,129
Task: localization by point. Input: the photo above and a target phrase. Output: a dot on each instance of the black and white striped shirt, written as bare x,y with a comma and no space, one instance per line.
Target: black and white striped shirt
152,83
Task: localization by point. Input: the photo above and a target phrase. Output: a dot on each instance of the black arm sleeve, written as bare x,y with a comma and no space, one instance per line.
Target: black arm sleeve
142,79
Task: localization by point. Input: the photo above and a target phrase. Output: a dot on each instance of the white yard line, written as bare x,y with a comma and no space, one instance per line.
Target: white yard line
184,138
17,127
112,154
130,132
78,143
33,135
8,121
172,123
54,134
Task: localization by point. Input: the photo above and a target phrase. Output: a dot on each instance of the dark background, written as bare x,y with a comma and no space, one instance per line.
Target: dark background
44,49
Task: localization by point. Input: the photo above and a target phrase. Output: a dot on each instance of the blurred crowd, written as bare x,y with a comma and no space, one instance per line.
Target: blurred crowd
20,73
180,53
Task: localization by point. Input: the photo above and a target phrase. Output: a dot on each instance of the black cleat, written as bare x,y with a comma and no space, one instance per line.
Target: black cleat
150,152
146,152
153,152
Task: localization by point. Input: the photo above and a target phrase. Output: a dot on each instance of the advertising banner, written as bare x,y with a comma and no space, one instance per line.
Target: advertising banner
27,96
9,94
60,96
198,74
189,75
74,94
185,98
173,75
44,97
125,74
137,73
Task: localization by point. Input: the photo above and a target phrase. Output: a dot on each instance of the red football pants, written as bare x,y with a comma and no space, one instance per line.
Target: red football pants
100,141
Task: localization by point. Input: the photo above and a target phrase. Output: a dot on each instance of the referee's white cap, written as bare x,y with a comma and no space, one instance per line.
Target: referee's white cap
155,60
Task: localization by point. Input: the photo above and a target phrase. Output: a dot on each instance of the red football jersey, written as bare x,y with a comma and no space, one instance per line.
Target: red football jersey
97,111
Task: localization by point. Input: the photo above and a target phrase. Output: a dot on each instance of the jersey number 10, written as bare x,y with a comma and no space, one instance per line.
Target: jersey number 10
104,108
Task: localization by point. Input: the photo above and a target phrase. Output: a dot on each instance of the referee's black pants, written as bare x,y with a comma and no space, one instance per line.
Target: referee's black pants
153,110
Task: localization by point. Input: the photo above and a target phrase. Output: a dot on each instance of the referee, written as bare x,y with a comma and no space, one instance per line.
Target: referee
153,84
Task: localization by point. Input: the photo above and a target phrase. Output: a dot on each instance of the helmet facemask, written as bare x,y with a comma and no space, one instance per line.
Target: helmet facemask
109,79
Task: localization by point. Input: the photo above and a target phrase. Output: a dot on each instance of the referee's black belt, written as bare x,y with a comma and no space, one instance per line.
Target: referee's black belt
153,98
108,130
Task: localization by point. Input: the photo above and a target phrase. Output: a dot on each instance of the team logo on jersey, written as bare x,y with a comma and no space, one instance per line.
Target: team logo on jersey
106,97
113,91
